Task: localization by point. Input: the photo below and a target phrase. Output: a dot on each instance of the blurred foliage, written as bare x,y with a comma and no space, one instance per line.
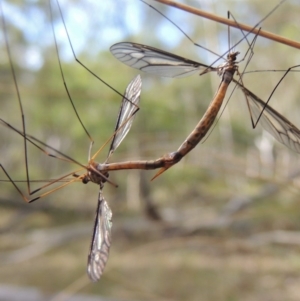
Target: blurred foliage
148,262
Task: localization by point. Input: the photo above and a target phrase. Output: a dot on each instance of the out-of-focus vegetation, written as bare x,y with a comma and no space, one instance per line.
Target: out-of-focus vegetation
229,227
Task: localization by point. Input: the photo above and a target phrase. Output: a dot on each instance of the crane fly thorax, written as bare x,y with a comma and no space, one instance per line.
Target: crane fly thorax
95,175
230,64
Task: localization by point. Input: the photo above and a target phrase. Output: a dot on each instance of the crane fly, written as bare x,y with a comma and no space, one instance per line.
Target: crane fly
162,63
129,91
101,238
14,75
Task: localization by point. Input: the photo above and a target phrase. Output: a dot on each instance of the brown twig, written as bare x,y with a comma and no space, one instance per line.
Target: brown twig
231,23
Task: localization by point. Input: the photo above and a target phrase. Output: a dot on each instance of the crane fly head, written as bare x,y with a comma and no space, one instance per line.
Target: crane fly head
93,175
84,178
231,57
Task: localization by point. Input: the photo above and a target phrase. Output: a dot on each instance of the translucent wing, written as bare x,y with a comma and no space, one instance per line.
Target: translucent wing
127,112
156,61
101,240
273,122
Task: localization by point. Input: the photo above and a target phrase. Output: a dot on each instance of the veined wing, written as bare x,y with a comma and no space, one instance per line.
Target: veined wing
101,239
273,122
156,61
127,112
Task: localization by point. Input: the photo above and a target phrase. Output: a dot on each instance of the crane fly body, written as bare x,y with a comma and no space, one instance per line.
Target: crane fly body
226,71
162,63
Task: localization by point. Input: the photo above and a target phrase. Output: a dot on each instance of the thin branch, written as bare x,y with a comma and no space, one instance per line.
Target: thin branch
231,23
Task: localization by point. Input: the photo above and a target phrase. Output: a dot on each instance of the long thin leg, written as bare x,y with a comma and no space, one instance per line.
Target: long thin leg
18,97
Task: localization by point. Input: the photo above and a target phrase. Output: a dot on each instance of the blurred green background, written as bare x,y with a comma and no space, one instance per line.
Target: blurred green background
223,224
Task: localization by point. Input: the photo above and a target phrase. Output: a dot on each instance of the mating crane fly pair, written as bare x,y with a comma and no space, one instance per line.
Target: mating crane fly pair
152,60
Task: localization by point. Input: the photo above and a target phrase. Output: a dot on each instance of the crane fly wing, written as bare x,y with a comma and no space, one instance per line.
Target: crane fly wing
155,61
101,240
127,112
273,122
